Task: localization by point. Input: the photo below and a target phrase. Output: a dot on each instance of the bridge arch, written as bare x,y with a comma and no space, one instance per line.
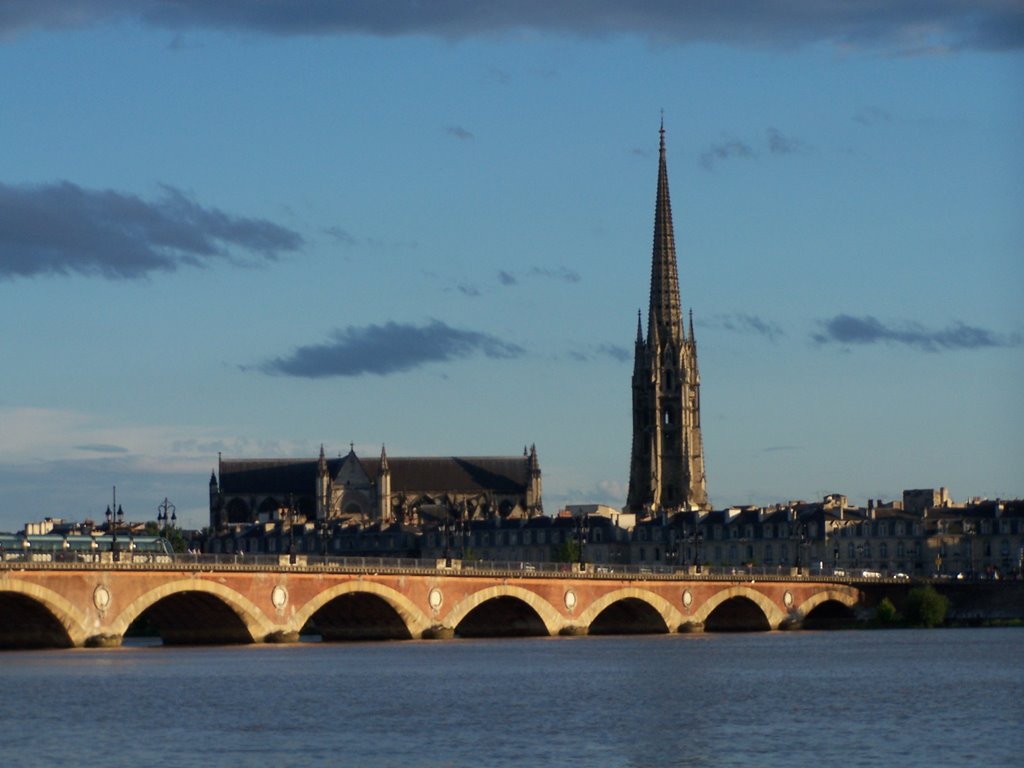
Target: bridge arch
68,625
668,614
830,608
773,615
549,617
412,617
252,624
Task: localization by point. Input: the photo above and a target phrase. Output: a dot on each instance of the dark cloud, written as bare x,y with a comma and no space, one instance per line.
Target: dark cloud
101,448
741,322
340,235
389,348
459,132
783,145
897,26
467,289
63,228
723,151
558,273
847,329
615,352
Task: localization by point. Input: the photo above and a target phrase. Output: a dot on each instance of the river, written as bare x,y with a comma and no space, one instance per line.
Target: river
951,697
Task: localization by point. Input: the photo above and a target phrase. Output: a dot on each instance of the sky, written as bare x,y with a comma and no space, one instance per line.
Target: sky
256,228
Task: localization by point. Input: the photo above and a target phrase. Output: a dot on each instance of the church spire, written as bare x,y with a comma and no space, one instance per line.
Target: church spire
664,307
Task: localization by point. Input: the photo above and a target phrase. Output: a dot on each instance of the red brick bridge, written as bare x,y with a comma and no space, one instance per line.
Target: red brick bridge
57,604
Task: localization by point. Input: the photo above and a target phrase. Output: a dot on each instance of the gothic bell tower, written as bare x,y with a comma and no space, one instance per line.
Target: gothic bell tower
667,465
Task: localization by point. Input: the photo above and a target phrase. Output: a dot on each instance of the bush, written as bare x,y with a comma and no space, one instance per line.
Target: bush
885,613
926,607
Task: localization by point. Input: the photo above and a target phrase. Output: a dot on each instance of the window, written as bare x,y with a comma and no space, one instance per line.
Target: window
768,554
883,550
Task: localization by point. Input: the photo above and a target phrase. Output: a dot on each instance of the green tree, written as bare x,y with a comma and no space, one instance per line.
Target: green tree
926,607
885,613
568,552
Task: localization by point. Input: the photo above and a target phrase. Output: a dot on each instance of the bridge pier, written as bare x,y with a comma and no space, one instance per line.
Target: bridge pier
572,630
103,640
690,627
438,632
282,636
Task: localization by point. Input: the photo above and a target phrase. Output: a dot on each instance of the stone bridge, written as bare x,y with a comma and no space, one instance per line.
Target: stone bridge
97,604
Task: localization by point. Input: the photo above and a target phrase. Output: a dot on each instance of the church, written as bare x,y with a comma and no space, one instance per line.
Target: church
379,491
666,471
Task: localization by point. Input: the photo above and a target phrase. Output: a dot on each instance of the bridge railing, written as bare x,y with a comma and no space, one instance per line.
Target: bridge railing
126,560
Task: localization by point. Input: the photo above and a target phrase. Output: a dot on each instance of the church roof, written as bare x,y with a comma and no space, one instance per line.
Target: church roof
465,474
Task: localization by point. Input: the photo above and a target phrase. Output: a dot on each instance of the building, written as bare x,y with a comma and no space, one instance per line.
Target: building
667,464
384,491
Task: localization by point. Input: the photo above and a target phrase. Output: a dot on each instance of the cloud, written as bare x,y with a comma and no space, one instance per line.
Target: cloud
783,145
741,322
101,448
560,273
871,115
340,235
459,132
563,274
62,228
942,24
386,349
615,352
723,151
848,330
468,289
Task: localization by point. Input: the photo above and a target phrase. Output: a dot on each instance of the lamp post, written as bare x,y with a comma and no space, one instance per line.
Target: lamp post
323,538
291,530
114,519
696,552
446,530
581,539
166,515
801,537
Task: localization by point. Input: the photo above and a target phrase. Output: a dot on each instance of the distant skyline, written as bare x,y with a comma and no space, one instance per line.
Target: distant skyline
256,228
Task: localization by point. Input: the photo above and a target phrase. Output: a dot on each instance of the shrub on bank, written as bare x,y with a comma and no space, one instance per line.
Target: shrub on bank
886,614
926,607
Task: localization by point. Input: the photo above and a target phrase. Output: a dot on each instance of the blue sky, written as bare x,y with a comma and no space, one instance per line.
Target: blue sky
256,228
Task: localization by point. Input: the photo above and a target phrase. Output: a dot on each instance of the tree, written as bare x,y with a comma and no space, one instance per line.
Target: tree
926,607
568,552
885,613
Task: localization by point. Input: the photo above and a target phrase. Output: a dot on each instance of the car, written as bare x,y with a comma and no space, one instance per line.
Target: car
900,576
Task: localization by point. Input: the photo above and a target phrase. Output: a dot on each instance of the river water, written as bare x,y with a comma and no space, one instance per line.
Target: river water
861,698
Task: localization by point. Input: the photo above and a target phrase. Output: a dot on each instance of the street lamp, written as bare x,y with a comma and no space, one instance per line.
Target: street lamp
114,519
162,519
